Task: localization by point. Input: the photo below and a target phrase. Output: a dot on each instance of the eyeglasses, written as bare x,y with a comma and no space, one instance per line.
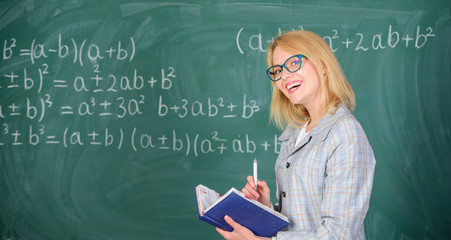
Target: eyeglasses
292,64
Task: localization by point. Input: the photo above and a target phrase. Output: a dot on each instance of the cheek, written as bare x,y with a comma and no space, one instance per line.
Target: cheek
279,85
313,73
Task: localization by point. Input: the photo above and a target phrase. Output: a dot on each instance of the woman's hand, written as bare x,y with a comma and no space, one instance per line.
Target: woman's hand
239,232
262,194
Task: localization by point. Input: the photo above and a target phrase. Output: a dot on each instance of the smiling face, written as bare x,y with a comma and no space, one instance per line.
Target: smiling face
301,87
317,87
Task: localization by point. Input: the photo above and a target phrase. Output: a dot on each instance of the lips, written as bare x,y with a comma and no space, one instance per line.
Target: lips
293,86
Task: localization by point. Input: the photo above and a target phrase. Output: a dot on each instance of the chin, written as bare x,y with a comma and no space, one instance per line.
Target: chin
296,101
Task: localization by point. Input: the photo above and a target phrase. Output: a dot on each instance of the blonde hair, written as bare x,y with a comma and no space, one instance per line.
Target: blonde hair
335,87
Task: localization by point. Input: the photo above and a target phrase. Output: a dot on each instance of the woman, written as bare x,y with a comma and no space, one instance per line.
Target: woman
325,167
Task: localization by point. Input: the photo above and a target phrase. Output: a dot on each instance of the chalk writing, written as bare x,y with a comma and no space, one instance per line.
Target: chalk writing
93,52
139,139
99,95
97,82
210,108
248,41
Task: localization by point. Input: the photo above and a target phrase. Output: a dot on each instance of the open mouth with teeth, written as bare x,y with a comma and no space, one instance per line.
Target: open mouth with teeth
293,86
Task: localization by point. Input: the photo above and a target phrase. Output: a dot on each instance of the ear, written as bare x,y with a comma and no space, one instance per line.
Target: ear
324,71
323,67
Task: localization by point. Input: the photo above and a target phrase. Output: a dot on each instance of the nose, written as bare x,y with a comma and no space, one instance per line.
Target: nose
285,74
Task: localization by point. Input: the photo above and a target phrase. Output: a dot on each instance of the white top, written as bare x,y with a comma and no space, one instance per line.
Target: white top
302,134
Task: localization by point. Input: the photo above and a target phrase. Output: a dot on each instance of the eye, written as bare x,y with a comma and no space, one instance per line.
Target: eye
275,70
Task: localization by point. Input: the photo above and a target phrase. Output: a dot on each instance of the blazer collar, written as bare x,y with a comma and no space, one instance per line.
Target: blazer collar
321,130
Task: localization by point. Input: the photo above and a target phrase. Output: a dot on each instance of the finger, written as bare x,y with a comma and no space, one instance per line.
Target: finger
224,233
231,222
262,184
239,231
250,186
250,192
250,180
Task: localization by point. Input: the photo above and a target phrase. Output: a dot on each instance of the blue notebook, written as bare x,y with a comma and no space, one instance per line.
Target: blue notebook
261,220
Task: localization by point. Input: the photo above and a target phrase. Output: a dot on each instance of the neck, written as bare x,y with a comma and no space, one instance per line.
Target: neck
316,114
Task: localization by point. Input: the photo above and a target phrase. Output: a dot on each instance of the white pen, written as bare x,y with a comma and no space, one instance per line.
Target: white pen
255,174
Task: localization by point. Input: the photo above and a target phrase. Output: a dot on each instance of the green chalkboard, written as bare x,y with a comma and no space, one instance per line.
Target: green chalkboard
112,111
